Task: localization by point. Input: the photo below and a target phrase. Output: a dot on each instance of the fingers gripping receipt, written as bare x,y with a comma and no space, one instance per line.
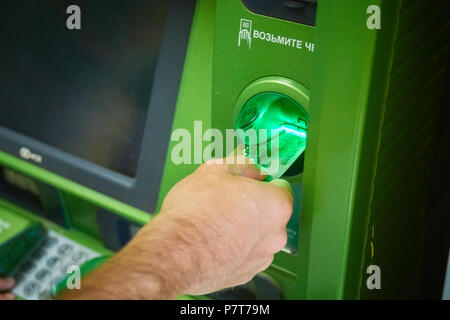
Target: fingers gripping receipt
271,129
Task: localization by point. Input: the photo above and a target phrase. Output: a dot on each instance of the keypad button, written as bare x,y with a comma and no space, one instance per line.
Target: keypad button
39,254
45,295
52,262
30,288
28,267
19,277
42,274
48,265
50,242
79,256
65,249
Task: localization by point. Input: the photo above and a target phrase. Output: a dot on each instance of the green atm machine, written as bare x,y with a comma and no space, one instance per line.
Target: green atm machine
86,116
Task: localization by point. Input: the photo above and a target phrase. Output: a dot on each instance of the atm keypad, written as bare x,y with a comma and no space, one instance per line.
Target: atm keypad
79,256
28,267
31,288
52,261
50,242
43,274
49,265
64,249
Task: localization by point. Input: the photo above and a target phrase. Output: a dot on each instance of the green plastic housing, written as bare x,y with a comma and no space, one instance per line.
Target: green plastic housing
19,238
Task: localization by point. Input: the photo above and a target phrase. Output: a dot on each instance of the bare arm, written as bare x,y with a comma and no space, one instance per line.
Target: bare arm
217,228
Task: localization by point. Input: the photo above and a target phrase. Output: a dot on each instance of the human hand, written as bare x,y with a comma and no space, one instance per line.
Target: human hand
217,228
6,284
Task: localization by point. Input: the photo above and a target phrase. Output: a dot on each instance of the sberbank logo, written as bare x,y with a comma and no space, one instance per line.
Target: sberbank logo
245,32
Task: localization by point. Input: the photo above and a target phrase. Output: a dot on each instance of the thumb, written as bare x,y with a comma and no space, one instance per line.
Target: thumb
238,164
283,184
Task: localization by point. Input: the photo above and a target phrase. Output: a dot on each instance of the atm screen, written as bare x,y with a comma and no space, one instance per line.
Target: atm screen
84,91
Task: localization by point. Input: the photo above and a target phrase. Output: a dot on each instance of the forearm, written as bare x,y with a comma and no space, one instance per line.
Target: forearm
147,268
114,280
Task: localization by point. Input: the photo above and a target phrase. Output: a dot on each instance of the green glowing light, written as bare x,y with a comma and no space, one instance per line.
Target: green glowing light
283,121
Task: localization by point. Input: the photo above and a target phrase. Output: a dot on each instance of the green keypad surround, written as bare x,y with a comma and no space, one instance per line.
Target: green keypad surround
19,238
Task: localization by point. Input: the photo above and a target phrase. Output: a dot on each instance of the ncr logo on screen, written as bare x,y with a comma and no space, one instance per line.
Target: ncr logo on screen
26,154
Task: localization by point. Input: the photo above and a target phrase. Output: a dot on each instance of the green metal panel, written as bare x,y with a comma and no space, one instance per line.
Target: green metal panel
266,65
236,67
194,101
405,152
366,127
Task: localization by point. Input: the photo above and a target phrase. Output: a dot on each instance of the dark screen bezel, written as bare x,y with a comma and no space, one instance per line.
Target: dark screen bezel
141,191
